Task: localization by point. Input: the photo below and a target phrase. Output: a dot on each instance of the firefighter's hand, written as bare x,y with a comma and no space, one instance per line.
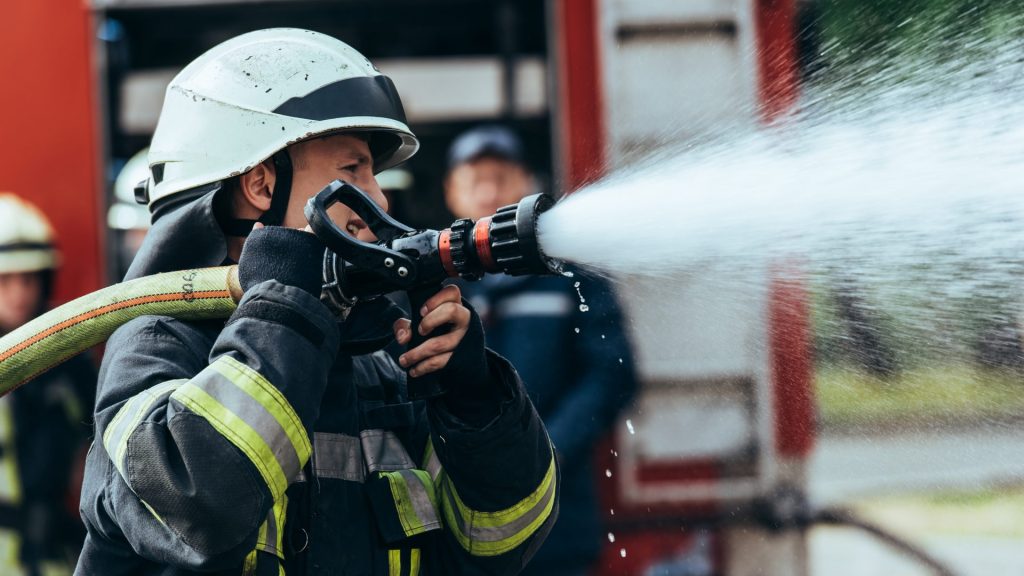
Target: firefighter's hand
442,309
290,256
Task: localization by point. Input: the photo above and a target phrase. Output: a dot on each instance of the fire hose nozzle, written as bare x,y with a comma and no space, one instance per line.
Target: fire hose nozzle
405,259
505,242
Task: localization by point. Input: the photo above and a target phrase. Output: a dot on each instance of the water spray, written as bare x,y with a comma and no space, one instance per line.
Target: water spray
402,259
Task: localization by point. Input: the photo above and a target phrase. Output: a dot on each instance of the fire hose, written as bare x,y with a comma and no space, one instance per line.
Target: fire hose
402,259
789,508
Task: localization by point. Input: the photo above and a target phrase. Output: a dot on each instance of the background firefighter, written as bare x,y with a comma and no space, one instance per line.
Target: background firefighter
43,425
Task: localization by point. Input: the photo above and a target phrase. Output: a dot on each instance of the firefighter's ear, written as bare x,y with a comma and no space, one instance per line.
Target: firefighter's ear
256,187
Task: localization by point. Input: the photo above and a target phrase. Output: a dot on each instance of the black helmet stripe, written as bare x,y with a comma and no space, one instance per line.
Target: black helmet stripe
18,246
360,96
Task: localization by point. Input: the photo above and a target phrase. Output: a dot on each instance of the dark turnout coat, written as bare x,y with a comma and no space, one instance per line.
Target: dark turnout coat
279,443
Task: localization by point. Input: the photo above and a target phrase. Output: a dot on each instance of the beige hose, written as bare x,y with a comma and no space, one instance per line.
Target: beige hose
82,323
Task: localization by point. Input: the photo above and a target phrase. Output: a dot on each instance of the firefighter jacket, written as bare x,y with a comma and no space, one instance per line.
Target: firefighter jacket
276,444
43,426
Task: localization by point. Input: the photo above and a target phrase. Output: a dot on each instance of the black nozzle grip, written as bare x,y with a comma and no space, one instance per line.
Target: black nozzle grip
428,385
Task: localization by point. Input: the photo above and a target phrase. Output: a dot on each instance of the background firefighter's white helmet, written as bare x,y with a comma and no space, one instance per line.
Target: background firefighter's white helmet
125,213
249,97
26,237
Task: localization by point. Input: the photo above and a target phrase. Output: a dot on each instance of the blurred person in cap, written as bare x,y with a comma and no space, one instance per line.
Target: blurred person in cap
282,441
576,364
43,424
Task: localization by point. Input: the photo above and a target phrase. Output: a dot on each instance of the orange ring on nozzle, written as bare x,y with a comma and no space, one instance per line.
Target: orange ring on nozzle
482,240
444,248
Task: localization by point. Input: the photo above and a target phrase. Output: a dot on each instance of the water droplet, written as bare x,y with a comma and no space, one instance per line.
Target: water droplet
584,308
620,360
576,285
629,426
622,552
612,511
567,273
602,336
608,473
611,537
577,330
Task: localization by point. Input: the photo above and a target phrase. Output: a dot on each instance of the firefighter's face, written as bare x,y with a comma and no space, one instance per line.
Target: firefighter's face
317,163
478,188
21,295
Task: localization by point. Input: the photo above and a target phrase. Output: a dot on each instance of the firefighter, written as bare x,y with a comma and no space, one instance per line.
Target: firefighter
281,441
43,424
576,360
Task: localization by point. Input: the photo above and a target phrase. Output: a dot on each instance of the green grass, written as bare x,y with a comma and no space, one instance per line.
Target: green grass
987,513
949,393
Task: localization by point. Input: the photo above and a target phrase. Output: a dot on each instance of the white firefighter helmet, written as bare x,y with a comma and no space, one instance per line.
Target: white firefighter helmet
248,98
26,237
125,213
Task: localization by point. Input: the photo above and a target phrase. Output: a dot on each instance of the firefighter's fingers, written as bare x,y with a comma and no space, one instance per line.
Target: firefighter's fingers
453,313
403,331
432,364
435,346
450,293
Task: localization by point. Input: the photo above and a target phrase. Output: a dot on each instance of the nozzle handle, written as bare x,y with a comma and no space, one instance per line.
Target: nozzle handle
428,385
376,258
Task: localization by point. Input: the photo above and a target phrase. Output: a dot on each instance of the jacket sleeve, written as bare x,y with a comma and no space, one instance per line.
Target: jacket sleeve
201,448
496,486
605,381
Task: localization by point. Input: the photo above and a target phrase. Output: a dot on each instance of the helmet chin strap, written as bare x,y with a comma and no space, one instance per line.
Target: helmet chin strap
274,216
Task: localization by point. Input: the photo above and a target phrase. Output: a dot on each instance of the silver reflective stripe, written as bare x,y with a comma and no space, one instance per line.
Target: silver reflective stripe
493,534
250,411
535,304
421,498
338,456
433,463
128,418
383,451
270,535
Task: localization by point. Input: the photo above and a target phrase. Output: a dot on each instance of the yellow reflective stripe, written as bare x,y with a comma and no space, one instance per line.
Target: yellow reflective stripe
271,535
415,500
54,568
254,384
249,566
10,482
254,416
10,553
151,511
493,533
414,562
239,433
394,563
131,414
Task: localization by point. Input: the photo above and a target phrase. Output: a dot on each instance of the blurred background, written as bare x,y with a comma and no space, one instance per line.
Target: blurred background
761,402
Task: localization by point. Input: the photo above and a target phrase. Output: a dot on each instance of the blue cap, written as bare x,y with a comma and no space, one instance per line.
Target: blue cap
492,141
